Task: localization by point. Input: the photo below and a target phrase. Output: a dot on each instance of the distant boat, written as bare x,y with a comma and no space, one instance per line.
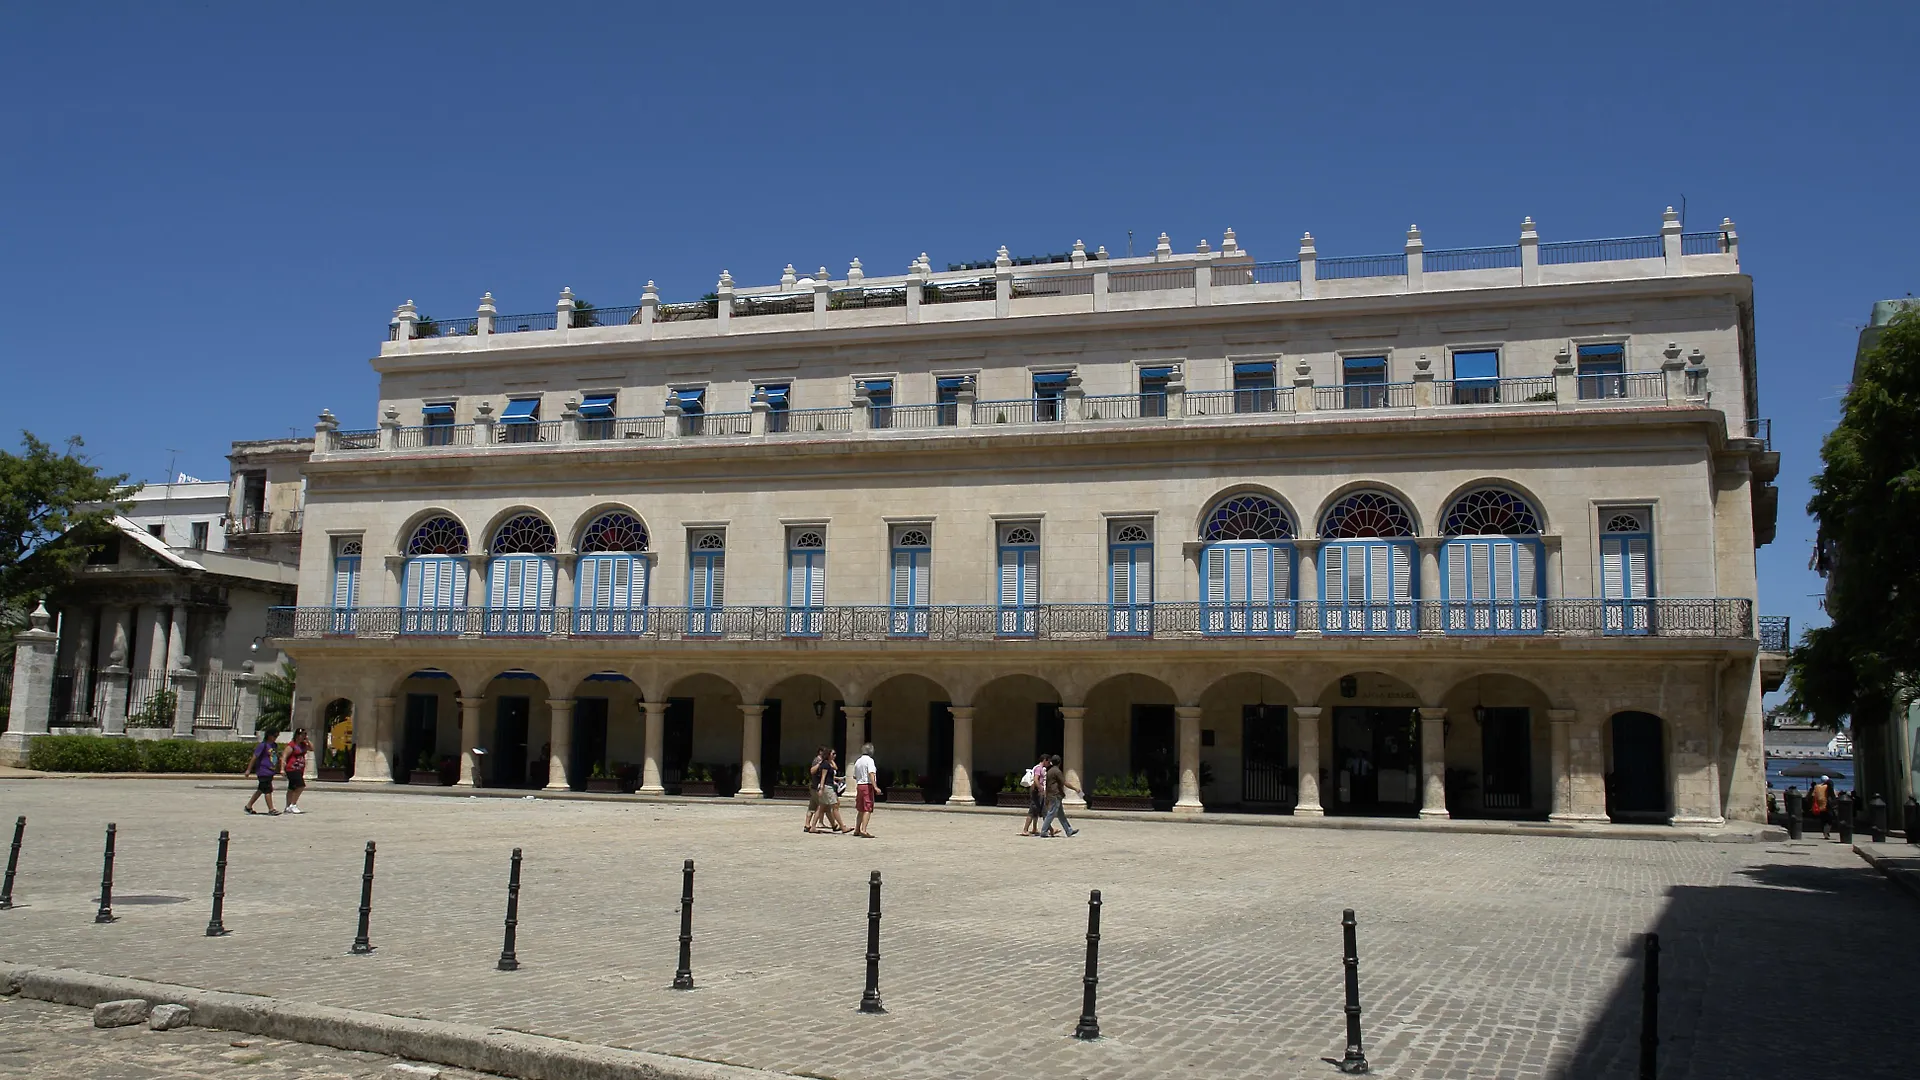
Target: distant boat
1840,747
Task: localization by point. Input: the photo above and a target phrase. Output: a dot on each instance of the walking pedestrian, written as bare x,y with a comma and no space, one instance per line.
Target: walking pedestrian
813,789
866,784
296,766
1820,805
1036,780
262,768
829,789
1057,788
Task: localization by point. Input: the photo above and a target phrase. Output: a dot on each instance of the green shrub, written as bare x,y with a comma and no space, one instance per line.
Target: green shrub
102,754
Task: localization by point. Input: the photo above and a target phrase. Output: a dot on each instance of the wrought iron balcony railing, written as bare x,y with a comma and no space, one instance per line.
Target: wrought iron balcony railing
1776,633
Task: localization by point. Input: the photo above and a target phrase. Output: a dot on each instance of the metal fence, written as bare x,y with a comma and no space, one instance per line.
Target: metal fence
746,307
1625,386
362,439
1018,411
1776,633
528,431
265,521
692,311
438,328
1360,266
614,316
433,435
1054,285
842,299
1532,388
1364,396
1119,406
720,423
1760,427
957,292
1581,251
1478,258
635,427
516,324
910,416
1703,243
808,421
1150,280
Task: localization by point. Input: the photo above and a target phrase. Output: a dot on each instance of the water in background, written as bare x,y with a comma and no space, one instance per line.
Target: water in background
1840,769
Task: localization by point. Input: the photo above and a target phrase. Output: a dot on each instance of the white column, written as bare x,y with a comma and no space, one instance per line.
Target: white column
1429,582
856,732
962,755
469,738
1433,763
177,637
1073,750
559,742
1189,729
750,751
655,739
1562,763
1306,755
373,750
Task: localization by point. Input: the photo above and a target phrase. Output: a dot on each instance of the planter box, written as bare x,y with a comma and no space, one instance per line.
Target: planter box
425,777
334,776
605,784
906,795
782,791
698,787
1119,802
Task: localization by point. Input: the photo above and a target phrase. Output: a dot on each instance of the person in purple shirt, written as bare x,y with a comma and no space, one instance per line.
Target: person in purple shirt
262,767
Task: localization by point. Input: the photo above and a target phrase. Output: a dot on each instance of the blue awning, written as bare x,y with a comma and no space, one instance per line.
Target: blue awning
434,412
521,411
951,382
1352,362
597,406
776,394
1615,349
876,386
1051,378
690,397
1156,373
1253,367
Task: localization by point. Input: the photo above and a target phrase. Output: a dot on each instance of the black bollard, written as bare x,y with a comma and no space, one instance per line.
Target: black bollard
215,926
683,975
1845,815
105,914
1794,820
1089,1026
1650,1009
1877,816
870,1000
1356,1059
1911,823
361,946
13,863
508,961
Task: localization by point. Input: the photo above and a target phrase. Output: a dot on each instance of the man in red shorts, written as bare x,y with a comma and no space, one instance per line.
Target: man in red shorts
866,786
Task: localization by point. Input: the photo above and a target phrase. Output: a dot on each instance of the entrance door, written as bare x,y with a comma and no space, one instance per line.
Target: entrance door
1639,788
939,781
1154,753
1506,759
1376,760
509,749
840,736
770,745
589,740
1049,730
421,737
1265,781
676,742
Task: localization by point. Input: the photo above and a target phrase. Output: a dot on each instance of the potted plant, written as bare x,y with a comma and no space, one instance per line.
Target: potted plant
602,778
986,789
424,771
1120,793
791,782
906,788
336,765
697,779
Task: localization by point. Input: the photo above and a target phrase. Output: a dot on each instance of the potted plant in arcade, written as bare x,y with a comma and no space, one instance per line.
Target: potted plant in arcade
336,766
697,779
603,779
1120,793
424,771
792,782
906,788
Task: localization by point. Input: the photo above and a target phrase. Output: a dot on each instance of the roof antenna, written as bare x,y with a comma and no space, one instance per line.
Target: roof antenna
1683,210
1129,243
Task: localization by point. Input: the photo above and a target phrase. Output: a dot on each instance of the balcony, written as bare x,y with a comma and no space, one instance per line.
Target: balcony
1701,618
265,523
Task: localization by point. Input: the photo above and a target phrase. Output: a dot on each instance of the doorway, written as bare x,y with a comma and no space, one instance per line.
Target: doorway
676,743
1049,730
1506,759
589,741
1266,782
509,749
769,745
1376,760
939,782
1154,753
1638,791
420,738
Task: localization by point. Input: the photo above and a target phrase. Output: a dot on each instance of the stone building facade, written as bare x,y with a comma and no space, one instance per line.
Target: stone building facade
1460,532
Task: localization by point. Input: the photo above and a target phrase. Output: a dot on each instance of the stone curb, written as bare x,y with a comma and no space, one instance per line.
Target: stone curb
1901,864
465,1046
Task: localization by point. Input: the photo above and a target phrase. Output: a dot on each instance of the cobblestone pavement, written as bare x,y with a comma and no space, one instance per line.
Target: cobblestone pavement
55,1042
1481,956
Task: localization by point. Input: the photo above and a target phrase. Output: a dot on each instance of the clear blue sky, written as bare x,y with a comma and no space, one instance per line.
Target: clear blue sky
209,211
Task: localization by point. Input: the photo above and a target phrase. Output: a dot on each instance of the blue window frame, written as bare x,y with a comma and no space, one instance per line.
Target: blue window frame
1365,379
1246,567
1491,585
596,416
1019,579
879,402
1476,377
1153,390
346,585
910,598
706,582
437,419
693,409
433,583
1130,579
946,396
1253,386
1626,572
1368,586
806,581
1049,396
1602,371
520,423
779,399
520,577
611,594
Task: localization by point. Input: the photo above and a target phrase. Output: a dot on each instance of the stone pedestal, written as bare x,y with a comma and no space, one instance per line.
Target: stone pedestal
469,739
186,702
246,716
110,699
31,708
373,751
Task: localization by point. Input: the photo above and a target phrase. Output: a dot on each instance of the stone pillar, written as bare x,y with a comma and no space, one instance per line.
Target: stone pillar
1587,767
469,738
119,642
177,637
373,749
1073,751
1307,615
186,702
560,743
482,327
405,317
962,754
1302,385
314,719
1429,587
723,302
110,699
750,713
1002,283
963,406
1561,721
31,707
1673,370
915,279
1423,381
1555,584
1529,253
1416,258
655,739
649,309
1203,278
1566,380
1306,756
1308,257
1670,240
563,309
1433,764
1189,737
246,693
856,731
149,640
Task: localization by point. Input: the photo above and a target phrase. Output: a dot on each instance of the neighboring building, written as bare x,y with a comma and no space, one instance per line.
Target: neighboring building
1437,532
187,514
266,498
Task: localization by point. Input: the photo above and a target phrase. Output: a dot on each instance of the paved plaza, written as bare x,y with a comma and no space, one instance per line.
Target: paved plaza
1481,955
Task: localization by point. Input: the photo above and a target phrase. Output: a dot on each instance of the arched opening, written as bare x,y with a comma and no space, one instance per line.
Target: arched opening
433,580
515,740
335,740
611,576
1247,566
1637,768
1491,564
1247,745
1368,565
801,714
1371,762
608,740
1016,718
700,745
428,746
1499,748
520,576
1132,739
911,730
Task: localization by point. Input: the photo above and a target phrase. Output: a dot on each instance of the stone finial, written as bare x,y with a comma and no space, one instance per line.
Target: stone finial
1202,247
1079,254
327,417
649,293
1101,253
821,277
1672,353
1563,361
41,619
1726,225
787,277
855,274
1306,244
392,413
484,409
726,280
1163,246
926,264
1229,245
1413,236
1303,369
1528,231
1001,259
1697,357
1424,363
1670,217
406,311
486,304
566,293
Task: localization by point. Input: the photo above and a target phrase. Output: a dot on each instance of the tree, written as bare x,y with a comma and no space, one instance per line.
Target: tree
1867,502
276,699
54,510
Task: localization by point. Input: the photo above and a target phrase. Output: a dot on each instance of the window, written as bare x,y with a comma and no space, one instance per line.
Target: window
1626,570
436,419
1602,371
1366,564
1130,578
1019,579
806,580
520,423
946,396
346,583
1049,396
777,396
1365,378
1476,377
1153,390
707,582
198,531
520,579
908,591
1253,386
612,576
693,408
158,530
1246,567
596,416
434,579
1491,564
879,402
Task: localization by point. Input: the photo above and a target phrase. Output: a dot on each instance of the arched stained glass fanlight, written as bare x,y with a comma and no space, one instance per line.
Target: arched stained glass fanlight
614,531
1366,514
1247,517
1132,534
1491,512
348,548
523,534
440,535
1626,521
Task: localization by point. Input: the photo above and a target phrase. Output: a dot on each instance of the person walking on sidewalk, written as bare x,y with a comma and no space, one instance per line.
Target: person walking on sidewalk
866,784
296,767
262,768
1036,797
1057,788
828,785
1820,806
813,789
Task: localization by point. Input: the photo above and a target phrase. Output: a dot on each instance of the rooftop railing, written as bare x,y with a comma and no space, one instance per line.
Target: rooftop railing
810,421
1364,396
520,324
1583,251
1054,285
1525,390
1444,260
1361,266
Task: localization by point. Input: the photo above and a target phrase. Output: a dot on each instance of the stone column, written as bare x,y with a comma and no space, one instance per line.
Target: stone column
469,738
373,749
1073,751
1529,253
1306,756
314,718
154,633
246,694
750,751
176,637
31,707
119,642
1433,764
1307,618
1429,591
1587,766
560,742
962,755
655,739
1562,749
186,702
856,732
110,699
1189,729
